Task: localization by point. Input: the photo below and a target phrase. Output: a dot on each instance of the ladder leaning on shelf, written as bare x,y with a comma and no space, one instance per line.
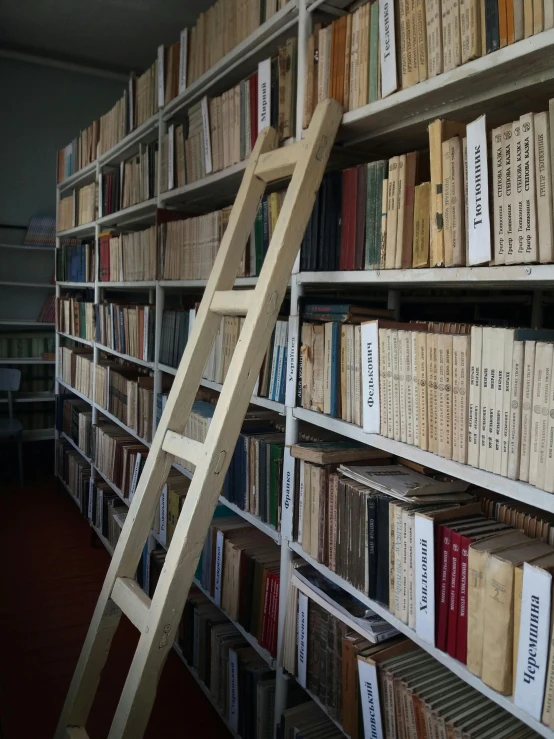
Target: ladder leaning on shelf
157,619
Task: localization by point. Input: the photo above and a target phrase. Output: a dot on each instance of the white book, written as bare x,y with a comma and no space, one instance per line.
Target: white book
485,402
549,469
370,344
516,394
544,416
496,358
499,380
408,388
287,494
474,396
161,85
539,382
534,640
357,375
264,94
292,360
183,58
415,393
526,409
396,407
425,578
498,192
369,697
402,384
383,382
389,79
302,639
478,193
509,170
401,207
456,399
506,400
517,193
411,573
531,252
543,184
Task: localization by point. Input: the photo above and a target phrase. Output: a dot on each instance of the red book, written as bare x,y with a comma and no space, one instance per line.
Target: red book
360,203
253,81
453,595
443,547
275,614
461,642
104,258
271,632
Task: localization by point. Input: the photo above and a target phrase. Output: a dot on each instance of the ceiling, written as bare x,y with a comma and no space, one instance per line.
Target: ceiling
117,35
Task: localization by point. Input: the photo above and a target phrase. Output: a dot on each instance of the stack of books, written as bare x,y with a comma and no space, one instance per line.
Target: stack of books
79,153
75,367
65,213
126,328
86,204
76,317
127,257
41,232
115,455
134,181
114,125
75,262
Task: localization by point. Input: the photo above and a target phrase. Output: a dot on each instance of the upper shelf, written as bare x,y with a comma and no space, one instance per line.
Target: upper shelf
239,62
491,84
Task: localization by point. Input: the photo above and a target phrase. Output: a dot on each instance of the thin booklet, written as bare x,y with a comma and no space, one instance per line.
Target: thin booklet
401,482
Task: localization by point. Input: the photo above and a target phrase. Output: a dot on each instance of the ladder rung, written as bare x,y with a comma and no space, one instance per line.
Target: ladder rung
77,732
183,447
133,601
231,302
279,163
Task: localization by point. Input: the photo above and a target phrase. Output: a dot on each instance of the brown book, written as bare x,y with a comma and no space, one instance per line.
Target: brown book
309,94
420,254
409,203
347,50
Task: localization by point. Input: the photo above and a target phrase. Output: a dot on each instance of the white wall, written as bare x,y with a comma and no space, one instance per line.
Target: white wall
42,109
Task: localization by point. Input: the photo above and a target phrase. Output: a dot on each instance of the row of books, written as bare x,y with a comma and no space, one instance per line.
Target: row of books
115,452
26,344
134,181
74,418
343,61
36,378
128,394
75,317
41,231
76,262
75,471
77,208
75,368
80,152
239,569
126,328
479,395
48,311
240,683
127,257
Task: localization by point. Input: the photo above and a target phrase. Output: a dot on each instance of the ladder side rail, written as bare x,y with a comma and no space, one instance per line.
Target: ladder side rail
158,463
182,557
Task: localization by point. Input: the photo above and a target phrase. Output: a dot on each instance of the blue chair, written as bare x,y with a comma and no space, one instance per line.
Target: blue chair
10,427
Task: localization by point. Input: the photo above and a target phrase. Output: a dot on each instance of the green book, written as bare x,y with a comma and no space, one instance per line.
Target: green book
276,460
369,260
381,170
374,53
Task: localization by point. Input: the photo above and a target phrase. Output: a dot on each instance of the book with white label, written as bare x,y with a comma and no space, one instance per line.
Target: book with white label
302,639
529,192
534,631
389,78
370,377
543,185
264,94
515,402
369,698
183,58
526,409
478,193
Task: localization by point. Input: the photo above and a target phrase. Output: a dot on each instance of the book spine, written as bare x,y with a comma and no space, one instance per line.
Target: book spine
457,202
515,409
531,251
474,395
461,641
453,596
526,410
371,369
543,174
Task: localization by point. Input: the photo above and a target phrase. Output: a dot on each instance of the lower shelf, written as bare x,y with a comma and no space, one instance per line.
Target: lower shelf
505,702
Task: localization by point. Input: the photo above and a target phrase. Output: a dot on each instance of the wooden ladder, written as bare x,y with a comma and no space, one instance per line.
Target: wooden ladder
157,619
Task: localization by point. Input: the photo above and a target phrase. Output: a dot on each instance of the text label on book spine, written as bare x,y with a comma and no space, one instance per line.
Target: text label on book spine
218,566
233,691
369,695
478,225
206,131
290,391
171,157
424,579
370,377
302,638
532,656
264,94
288,494
163,517
388,48
183,54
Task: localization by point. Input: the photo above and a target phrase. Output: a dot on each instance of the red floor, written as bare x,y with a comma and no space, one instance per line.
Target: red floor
50,580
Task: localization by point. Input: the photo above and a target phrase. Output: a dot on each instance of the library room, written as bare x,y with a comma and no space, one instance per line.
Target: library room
277,369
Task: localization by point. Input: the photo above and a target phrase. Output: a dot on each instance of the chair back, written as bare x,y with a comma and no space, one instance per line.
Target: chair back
10,379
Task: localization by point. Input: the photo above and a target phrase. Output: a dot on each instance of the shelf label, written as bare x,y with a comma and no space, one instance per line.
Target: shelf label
220,540
300,501
171,157
302,638
369,696
264,94
183,57
287,506
389,79
163,517
532,656
233,691
425,578
206,131
292,355
161,90
370,377
90,496
478,225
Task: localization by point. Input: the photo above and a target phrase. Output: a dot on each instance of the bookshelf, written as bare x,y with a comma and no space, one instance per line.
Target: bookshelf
503,84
